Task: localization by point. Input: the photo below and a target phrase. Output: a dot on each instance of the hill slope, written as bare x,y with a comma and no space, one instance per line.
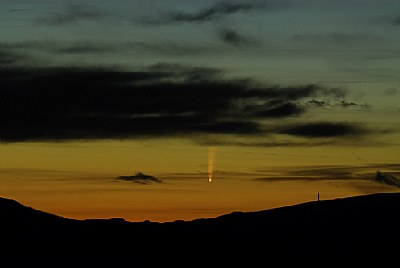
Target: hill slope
343,227
13,213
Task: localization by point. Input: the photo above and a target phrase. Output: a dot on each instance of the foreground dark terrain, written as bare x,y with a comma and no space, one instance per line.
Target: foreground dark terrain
354,227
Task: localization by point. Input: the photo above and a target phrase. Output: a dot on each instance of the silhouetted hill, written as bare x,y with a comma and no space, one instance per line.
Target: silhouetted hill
350,227
12,213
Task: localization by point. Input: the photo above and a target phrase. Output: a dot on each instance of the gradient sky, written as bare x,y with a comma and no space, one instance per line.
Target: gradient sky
279,99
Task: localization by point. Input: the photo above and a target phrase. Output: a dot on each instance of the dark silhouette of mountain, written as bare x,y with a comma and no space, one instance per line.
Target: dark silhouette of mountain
13,213
353,227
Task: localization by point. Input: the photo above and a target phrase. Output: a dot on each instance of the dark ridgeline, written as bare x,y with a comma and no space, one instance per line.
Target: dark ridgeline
348,227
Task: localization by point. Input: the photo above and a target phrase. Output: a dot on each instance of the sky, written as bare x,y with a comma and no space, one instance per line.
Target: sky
168,110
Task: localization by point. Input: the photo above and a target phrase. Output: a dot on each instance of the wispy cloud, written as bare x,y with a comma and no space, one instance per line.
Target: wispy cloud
324,172
261,144
304,178
367,171
341,103
20,9
364,176
87,47
72,14
206,14
214,12
347,104
337,39
391,91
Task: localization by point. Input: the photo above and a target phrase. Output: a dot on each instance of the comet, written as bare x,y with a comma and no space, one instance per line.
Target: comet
211,160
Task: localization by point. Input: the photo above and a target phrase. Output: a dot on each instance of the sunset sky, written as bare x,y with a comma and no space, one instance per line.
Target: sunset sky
275,100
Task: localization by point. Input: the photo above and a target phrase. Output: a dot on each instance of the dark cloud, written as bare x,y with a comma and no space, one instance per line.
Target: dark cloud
210,13
213,12
387,179
232,37
140,178
275,109
163,48
317,103
42,104
346,104
323,130
73,14
341,103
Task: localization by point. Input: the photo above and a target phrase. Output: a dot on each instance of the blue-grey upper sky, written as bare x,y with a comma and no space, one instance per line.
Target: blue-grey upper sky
349,45
350,38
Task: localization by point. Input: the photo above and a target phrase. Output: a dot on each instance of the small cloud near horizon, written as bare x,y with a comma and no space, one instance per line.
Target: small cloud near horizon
386,178
140,178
